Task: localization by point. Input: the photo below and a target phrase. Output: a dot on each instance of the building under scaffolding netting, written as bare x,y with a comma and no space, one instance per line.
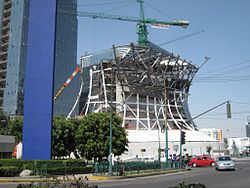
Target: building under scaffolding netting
148,87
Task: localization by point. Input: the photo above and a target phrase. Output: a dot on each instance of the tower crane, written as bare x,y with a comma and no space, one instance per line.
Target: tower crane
142,32
142,29
141,21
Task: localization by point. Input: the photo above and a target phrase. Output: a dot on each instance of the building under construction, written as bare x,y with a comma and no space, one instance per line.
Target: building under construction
146,85
149,87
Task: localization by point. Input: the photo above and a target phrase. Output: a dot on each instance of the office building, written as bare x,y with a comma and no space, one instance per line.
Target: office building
213,133
12,55
13,35
66,58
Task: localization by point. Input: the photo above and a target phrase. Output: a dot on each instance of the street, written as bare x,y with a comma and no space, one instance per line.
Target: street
205,175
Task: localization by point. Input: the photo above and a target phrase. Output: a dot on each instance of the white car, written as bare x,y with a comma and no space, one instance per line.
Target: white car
224,163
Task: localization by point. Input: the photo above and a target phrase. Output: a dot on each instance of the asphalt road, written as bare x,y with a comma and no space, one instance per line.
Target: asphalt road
205,175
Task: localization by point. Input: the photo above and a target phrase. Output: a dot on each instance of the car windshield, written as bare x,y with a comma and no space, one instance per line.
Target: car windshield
224,159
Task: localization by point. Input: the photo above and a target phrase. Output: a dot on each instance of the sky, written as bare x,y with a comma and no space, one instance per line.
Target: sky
219,29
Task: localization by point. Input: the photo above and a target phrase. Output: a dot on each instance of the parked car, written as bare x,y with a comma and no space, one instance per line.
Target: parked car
224,163
202,160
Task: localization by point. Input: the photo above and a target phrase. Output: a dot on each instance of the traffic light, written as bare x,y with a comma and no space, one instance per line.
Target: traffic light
229,113
183,137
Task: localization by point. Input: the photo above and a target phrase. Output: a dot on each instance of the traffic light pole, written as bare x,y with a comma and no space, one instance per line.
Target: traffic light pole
228,110
181,145
166,127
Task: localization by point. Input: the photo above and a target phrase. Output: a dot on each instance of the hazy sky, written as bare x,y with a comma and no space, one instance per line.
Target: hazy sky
222,30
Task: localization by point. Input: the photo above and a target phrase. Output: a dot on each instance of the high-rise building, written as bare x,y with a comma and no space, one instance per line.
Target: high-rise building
66,58
13,54
13,40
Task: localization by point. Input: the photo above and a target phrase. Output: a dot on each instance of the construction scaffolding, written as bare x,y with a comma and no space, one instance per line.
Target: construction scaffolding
140,75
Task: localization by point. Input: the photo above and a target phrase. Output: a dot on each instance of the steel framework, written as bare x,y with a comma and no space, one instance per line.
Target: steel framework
140,75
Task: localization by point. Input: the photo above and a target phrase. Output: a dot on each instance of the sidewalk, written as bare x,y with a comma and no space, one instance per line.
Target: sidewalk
90,177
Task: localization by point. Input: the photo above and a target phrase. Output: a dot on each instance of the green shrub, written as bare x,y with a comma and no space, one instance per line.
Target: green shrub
192,185
50,167
59,170
9,171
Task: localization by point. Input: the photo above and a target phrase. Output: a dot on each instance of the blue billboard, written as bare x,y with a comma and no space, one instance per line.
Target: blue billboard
39,76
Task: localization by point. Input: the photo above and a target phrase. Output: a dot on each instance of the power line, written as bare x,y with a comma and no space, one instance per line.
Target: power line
116,8
222,78
182,37
230,66
234,70
158,10
101,4
244,103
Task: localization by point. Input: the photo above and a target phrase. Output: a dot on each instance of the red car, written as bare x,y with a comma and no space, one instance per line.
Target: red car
201,161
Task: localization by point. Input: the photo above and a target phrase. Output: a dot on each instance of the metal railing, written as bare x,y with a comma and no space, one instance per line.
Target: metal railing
131,168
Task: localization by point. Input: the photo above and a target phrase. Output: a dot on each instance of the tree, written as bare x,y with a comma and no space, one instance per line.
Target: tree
3,122
92,136
63,137
13,127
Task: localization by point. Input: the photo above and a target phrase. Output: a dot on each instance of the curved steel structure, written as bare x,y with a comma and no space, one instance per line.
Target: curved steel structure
149,85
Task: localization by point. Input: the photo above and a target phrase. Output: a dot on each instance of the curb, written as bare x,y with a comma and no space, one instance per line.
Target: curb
96,178
21,180
135,175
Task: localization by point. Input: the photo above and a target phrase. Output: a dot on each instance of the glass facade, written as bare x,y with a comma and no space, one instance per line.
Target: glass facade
1,16
13,93
66,57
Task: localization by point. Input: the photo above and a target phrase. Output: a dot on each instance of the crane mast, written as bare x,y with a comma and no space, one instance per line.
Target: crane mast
142,28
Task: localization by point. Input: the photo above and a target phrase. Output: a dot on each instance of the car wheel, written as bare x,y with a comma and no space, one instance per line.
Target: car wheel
194,165
212,164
